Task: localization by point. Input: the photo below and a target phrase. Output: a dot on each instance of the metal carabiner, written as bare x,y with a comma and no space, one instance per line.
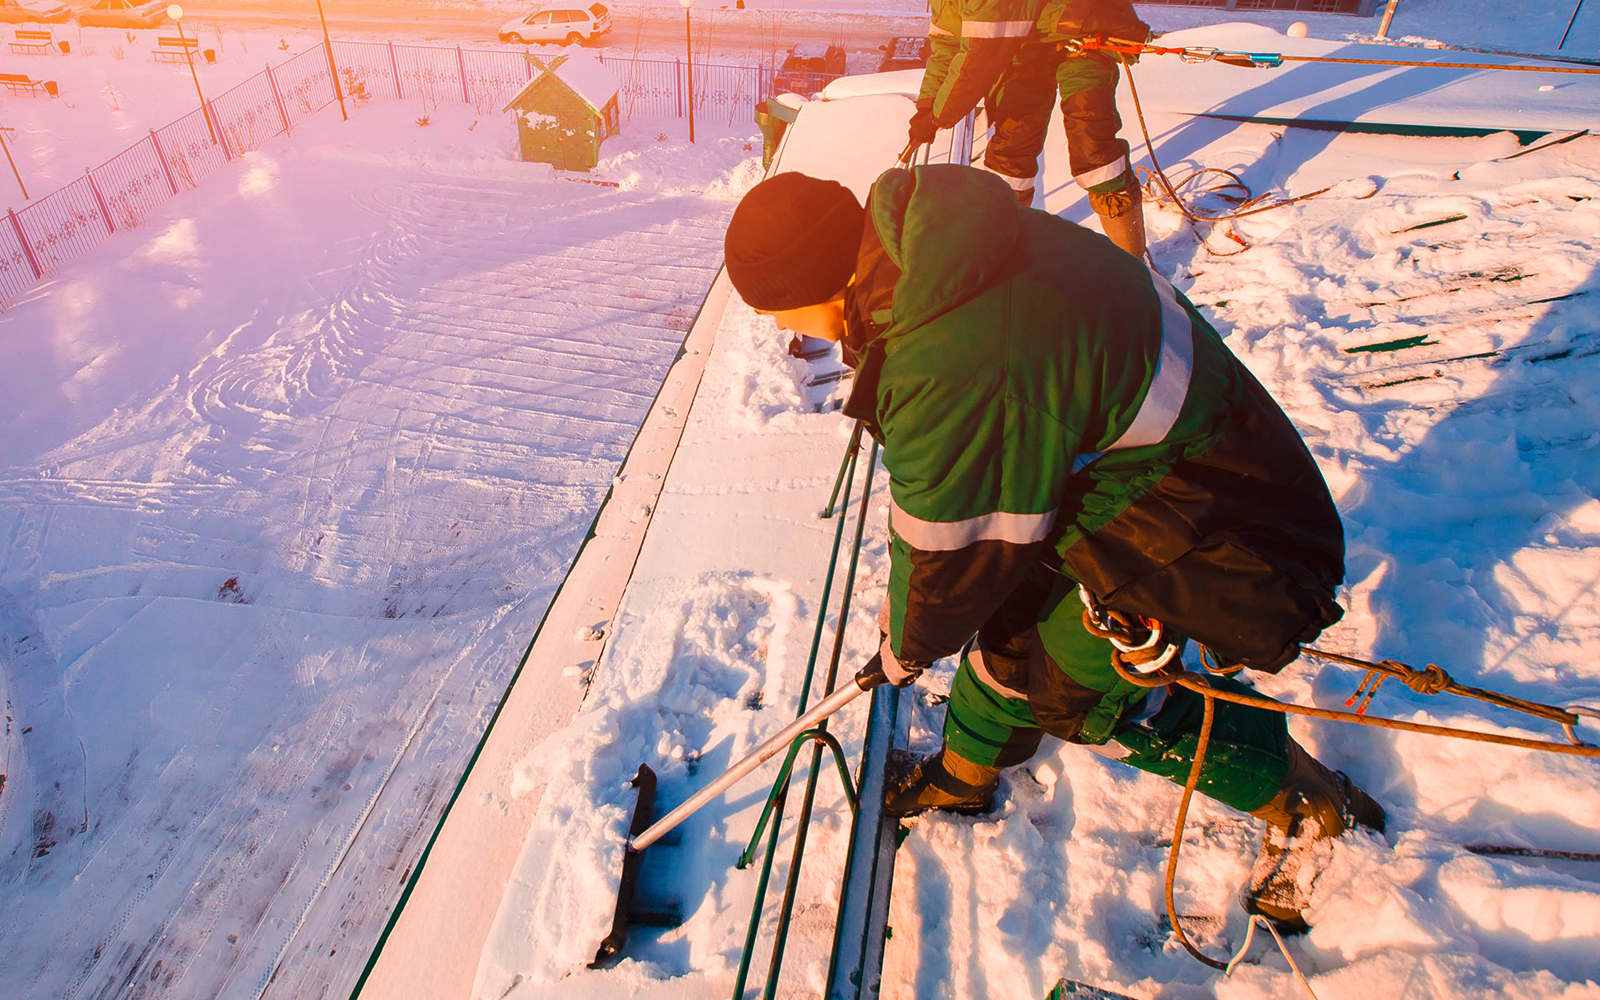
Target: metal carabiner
1197,53
1572,729
1155,665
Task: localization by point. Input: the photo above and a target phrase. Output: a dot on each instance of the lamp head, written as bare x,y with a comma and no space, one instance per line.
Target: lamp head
175,12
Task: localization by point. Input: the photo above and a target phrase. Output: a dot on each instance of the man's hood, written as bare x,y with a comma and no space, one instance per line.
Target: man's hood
936,237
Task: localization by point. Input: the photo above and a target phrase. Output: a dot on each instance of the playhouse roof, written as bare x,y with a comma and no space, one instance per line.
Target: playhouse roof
583,74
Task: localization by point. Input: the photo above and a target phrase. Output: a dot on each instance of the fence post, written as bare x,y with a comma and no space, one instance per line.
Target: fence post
111,227
222,135
333,71
165,167
276,96
395,66
33,261
462,62
677,82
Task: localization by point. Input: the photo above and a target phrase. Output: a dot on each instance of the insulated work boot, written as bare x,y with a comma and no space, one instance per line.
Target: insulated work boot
1122,218
1315,806
942,780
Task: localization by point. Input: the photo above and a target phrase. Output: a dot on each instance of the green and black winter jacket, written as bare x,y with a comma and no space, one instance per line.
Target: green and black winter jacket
1042,396
972,42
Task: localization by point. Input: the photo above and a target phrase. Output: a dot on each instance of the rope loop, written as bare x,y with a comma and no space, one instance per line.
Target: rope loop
1216,664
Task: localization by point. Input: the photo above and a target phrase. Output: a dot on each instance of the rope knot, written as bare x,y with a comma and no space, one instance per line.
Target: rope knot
1431,679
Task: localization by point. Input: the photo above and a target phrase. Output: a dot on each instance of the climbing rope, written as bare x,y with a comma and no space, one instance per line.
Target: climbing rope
1257,920
1123,47
1159,188
1431,680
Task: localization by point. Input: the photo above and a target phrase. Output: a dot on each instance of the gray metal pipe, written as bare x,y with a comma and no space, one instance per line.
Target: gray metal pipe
776,745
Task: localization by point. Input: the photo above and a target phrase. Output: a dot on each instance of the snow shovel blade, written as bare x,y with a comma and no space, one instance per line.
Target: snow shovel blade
643,814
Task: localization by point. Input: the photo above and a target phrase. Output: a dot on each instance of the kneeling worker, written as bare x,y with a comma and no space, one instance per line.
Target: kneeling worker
1055,417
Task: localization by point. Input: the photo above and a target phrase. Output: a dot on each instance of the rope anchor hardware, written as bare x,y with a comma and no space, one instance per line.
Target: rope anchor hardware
1572,727
1249,60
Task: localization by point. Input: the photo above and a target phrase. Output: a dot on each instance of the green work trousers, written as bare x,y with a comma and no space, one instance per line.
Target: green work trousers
1020,679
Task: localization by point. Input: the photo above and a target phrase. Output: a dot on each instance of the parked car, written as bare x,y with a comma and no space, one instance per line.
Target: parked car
124,14
808,68
558,23
904,52
34,10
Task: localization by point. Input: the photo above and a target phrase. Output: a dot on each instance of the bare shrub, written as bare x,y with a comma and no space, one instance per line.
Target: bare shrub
355,84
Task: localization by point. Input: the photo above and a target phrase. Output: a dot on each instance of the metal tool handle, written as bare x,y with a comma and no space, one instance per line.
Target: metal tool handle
869,677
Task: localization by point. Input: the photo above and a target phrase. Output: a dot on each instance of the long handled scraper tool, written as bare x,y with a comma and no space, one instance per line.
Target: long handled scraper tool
642,833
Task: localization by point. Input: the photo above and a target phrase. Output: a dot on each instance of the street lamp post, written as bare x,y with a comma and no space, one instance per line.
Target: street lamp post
688,45
338,91
3,130
176,13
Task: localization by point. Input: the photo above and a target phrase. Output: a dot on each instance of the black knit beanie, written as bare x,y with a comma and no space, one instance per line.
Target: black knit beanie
793,242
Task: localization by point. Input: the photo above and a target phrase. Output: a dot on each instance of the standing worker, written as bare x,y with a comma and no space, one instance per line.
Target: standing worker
1009,54
1058,421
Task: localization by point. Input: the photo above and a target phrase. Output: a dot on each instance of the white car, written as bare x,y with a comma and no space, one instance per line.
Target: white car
34,10
558,23
124,14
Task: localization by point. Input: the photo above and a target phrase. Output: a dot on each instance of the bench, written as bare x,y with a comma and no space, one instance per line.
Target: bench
32,40
20,82
175,49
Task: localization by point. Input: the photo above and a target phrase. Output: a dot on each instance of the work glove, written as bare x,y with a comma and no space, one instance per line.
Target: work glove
922,128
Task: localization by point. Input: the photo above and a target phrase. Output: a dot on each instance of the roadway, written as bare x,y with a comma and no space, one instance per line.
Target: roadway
721,32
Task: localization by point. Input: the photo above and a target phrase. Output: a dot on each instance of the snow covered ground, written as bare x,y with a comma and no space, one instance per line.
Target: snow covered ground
1428,324
113,91
288,475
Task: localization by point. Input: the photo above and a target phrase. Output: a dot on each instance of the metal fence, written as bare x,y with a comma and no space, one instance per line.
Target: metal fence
488,78
121,192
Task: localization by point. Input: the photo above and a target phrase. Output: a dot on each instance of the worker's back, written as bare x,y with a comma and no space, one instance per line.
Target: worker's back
1022,366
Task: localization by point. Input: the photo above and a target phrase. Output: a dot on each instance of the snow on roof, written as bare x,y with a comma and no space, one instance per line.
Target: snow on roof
580,71
907,82
588,78
1364,94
